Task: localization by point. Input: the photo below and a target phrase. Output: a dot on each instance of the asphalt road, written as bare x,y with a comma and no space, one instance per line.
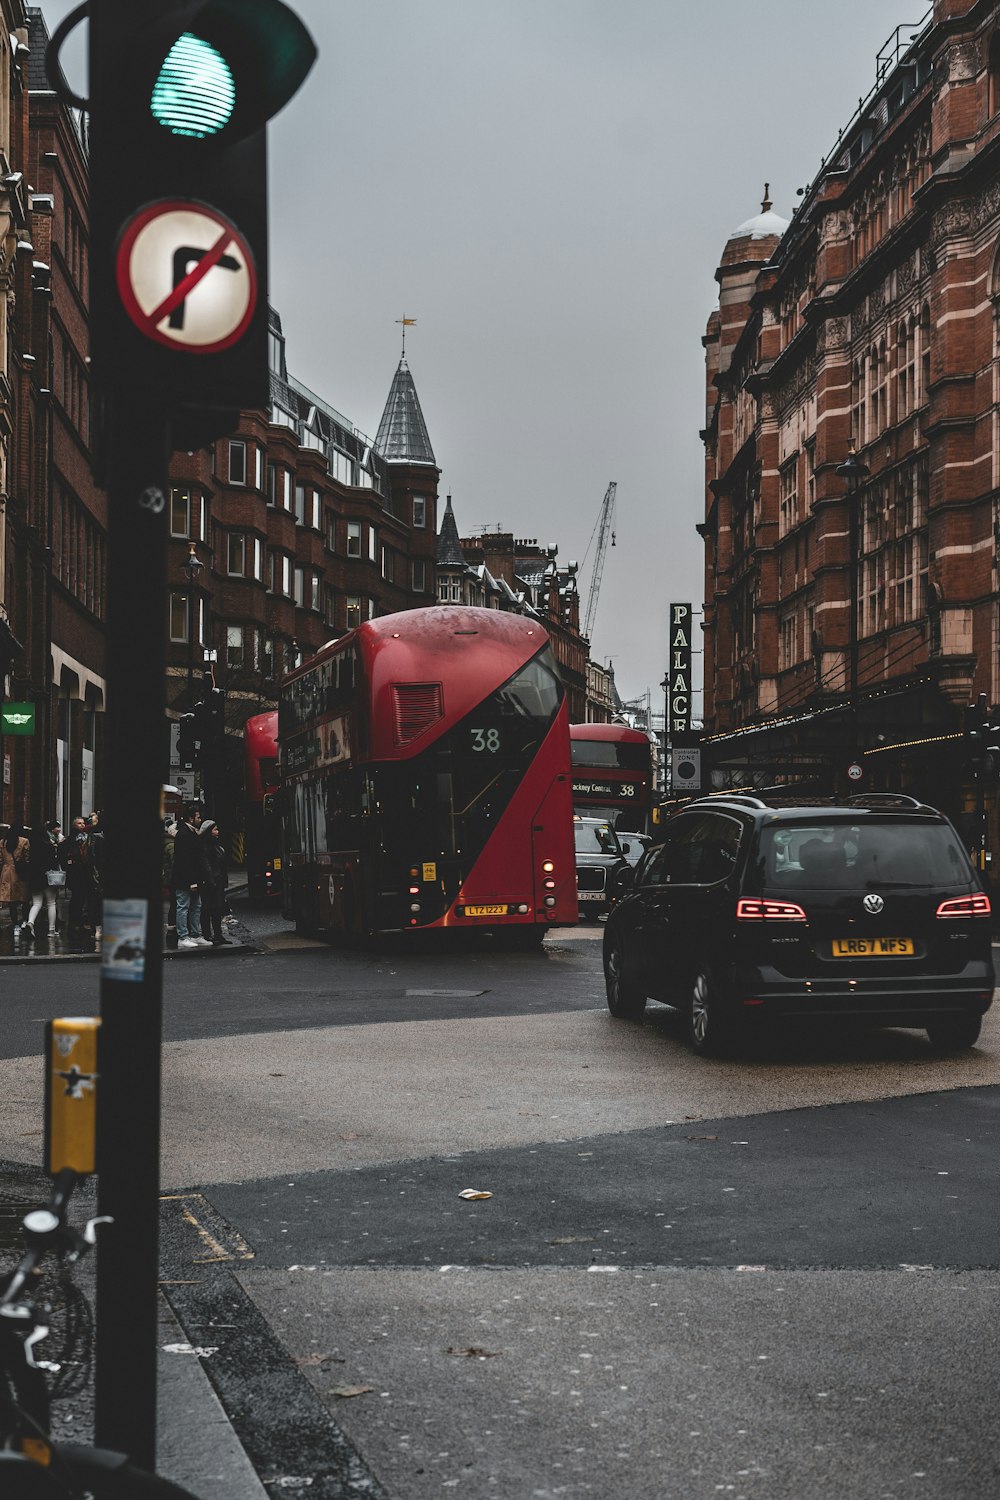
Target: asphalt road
771,1278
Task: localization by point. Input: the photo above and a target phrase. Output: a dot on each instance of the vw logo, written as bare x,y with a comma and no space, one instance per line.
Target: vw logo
873,903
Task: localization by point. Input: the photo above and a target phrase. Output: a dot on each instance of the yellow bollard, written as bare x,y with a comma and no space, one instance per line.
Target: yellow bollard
71,1094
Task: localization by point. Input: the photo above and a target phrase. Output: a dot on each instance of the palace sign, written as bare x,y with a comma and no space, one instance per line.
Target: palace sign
679,673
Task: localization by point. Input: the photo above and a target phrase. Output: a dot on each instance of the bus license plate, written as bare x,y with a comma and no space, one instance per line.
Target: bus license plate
878,947
486,911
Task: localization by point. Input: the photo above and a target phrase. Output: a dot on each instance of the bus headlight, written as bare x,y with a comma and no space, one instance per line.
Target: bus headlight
522,910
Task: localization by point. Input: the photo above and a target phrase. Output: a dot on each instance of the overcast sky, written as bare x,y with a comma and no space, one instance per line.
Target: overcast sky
547,186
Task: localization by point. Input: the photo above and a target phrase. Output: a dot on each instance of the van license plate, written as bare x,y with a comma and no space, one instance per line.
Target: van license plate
879,947
590,895
486,911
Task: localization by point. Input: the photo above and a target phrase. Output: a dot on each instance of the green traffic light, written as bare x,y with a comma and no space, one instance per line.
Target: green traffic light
194,93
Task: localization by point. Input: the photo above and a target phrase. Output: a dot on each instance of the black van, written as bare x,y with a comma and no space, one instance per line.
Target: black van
754,912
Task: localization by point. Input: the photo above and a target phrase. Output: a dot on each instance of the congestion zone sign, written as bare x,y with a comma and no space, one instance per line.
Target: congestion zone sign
186,277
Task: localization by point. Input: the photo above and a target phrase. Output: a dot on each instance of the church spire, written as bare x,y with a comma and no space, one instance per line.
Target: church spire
402,436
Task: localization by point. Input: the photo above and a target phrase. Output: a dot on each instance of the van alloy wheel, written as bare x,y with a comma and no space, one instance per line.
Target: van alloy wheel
709,1034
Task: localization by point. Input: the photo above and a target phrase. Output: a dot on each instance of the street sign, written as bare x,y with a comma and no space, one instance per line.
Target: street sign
186,277
685,769
854,771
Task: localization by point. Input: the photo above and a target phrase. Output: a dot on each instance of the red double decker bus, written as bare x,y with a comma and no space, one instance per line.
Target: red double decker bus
262,824
425,774
612,774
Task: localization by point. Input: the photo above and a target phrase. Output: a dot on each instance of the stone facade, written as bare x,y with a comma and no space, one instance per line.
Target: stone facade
868,320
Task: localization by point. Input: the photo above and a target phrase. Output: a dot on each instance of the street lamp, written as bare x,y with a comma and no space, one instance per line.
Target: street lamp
854,473
192,567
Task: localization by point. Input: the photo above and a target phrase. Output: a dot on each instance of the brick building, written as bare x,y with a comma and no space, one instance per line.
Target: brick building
304,527
53,518
850,616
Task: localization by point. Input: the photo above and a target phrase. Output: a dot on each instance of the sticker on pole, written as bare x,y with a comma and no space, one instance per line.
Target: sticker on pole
124,940
186,277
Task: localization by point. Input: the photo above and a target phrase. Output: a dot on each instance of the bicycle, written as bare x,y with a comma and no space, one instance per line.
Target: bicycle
32,1465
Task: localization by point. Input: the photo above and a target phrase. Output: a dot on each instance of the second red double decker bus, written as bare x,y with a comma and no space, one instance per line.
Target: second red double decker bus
613,774
426,779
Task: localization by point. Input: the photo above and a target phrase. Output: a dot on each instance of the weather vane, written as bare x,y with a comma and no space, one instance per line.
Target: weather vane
407,323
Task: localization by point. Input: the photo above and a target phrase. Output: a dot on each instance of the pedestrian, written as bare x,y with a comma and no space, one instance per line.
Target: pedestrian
46,876
14,855
167,877
79,856
213,898
189,873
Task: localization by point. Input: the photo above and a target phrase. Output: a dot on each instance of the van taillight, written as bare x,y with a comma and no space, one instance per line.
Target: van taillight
965,906
754,909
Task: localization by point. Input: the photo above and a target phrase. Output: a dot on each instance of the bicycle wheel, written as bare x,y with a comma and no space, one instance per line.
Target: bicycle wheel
98,1474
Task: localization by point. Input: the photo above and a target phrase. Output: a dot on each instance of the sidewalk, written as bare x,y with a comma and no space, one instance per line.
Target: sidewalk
197,1446
44,950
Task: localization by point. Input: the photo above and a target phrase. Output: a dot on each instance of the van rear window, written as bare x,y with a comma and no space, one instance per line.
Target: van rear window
869,855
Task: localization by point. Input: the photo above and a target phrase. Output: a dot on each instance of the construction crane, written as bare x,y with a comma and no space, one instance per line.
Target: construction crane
604,530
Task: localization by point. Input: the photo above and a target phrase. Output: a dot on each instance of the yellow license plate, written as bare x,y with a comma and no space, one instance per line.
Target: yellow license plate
879,947
486,911
276,864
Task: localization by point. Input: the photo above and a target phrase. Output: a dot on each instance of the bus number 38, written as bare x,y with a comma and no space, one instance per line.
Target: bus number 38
485,739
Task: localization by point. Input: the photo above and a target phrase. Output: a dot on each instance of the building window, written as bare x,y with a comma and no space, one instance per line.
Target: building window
300,505
419,576
354,538
388,565
331,531
234,645
180,513
178,617
272,485
237,463
315,592
419,511
298,591
330,611
286,574
258,559
340,466
788,495
237,554
317,511
353,611
372,544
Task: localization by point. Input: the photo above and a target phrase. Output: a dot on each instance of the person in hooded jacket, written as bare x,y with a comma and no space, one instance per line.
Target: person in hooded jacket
43,859
14,853
213,893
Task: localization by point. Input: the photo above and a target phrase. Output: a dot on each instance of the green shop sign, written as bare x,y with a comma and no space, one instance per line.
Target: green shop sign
17,718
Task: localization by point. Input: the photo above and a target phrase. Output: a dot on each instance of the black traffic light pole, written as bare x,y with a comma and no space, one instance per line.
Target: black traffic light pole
180,94
132,990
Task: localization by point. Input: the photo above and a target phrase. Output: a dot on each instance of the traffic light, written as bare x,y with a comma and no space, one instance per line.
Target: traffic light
212,712
179,99
187,741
